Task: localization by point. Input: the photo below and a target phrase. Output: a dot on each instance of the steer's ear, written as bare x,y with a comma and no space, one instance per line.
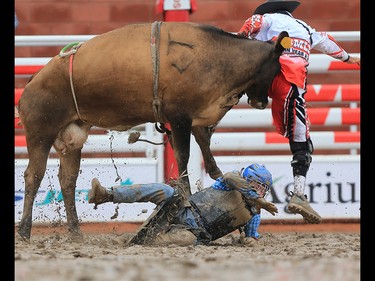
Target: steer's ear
283,42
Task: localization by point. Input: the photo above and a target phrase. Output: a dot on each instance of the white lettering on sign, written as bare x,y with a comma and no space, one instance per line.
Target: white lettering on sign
176,5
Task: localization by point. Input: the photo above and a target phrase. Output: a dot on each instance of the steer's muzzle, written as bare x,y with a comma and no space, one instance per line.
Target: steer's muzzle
258,104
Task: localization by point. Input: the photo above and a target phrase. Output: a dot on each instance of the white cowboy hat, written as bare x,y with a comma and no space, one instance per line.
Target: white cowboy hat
272,6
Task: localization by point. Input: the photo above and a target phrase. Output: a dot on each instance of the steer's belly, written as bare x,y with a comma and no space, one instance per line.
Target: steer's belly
209,117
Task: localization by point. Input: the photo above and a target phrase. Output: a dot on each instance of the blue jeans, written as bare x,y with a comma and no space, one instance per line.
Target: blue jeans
152,192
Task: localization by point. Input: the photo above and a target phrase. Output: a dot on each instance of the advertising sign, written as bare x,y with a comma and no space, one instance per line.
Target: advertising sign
332,187
176,5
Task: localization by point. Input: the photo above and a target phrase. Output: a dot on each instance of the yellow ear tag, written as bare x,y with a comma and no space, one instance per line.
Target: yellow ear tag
286,42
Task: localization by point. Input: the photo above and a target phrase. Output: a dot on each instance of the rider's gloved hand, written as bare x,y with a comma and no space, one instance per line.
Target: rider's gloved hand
268,206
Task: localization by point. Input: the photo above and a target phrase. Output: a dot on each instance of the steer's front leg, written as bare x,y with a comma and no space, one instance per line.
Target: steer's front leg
203,137
181,131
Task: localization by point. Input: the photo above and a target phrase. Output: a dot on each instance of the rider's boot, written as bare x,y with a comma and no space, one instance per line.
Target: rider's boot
301,162
99,194
299,204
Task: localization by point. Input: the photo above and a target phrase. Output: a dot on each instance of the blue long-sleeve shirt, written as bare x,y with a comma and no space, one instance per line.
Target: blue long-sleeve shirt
251,228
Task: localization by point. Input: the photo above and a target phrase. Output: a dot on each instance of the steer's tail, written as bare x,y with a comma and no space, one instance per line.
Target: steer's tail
17,116
16,113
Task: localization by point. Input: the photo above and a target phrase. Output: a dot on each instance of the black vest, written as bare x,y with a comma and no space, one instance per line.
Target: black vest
222,211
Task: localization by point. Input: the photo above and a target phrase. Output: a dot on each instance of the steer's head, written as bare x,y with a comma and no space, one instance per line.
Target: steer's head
257,92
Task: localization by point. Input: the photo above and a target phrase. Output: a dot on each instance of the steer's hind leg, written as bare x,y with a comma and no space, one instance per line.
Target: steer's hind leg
181,132
38,149
68,174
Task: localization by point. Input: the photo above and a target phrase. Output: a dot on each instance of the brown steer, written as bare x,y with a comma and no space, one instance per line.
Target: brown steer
185,74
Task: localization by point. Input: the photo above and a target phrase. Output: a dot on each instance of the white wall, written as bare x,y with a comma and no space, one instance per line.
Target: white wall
333,185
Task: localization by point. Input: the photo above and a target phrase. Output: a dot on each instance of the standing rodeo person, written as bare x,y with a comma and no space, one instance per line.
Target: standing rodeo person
288,88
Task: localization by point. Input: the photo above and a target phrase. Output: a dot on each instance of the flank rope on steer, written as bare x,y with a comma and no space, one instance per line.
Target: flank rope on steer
72,47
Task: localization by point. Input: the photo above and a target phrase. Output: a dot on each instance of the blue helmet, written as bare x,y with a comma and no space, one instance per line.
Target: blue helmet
259,176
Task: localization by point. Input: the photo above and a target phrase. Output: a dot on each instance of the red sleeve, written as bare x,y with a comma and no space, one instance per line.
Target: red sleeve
252,26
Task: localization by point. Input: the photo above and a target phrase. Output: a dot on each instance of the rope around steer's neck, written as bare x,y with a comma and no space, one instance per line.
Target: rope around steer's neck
64,53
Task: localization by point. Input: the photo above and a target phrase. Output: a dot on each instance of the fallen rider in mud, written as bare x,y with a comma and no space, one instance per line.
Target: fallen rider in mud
232,202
